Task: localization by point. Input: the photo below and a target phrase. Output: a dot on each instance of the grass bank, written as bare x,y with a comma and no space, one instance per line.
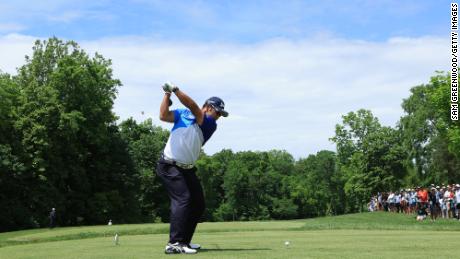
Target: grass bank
366,235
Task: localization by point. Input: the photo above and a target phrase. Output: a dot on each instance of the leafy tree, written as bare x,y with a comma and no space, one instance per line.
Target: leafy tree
316,186
256,186
68,139
281,204
371,157
145,144
429,133
249,186
211,171
12,169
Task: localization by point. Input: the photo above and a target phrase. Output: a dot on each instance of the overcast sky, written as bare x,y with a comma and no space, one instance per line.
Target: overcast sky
287,70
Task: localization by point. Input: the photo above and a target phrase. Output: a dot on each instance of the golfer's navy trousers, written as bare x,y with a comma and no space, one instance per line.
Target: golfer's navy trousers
187,200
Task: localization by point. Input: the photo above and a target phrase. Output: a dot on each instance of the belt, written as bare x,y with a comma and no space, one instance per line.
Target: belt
179,164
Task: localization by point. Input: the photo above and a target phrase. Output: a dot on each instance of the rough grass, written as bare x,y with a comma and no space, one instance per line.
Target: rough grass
367,235
380,221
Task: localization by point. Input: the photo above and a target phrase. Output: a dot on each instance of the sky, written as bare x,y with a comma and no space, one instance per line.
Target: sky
287,70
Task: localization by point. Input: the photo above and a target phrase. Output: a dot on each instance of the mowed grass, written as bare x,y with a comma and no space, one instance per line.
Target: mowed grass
366,235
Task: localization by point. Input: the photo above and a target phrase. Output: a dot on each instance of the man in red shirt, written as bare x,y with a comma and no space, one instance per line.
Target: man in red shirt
423,198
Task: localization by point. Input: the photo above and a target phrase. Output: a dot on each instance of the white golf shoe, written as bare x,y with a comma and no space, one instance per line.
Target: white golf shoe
178,248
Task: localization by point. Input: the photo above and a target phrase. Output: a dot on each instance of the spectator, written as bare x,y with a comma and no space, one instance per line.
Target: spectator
53,218
438,198
448,200
385,201
405,201
423,197
433,201
443,204
413,201
391,201
452,201
457,200
418,194
397,201
370,205
421,214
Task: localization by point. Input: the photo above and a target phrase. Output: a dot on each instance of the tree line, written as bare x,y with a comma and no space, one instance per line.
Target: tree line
61,146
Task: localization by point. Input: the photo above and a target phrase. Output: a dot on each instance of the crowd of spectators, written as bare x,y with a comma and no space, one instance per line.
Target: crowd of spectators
434,201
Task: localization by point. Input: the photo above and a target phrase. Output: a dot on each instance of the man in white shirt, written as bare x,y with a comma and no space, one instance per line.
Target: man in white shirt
412,201
397,200
447,200
192,128
391,201
457,200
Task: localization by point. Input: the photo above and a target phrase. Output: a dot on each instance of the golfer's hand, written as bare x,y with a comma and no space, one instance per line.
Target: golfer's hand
169,87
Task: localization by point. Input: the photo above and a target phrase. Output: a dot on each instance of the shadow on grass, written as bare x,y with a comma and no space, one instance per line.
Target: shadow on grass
204,250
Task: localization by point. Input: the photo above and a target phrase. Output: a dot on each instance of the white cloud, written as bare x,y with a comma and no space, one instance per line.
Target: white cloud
66,17
74,15
52,12
14,49
281,94
11,27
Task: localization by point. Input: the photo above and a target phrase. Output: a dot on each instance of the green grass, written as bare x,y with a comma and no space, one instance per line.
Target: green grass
367,235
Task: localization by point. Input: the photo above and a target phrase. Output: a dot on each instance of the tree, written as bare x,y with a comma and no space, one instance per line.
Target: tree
429,134
316,186
211,171
371,157
12,169
255,187
68,144
145,144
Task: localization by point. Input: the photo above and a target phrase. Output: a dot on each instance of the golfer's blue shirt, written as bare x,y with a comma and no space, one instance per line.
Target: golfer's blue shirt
187,137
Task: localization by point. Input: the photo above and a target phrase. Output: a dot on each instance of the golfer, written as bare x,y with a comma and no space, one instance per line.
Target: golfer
192,129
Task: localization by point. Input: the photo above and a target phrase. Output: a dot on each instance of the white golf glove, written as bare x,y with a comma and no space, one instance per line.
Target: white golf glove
169,87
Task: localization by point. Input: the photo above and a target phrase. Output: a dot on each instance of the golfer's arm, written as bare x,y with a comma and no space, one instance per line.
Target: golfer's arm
191,104
165,113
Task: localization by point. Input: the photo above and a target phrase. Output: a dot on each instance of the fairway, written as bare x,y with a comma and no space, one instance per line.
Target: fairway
368,235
